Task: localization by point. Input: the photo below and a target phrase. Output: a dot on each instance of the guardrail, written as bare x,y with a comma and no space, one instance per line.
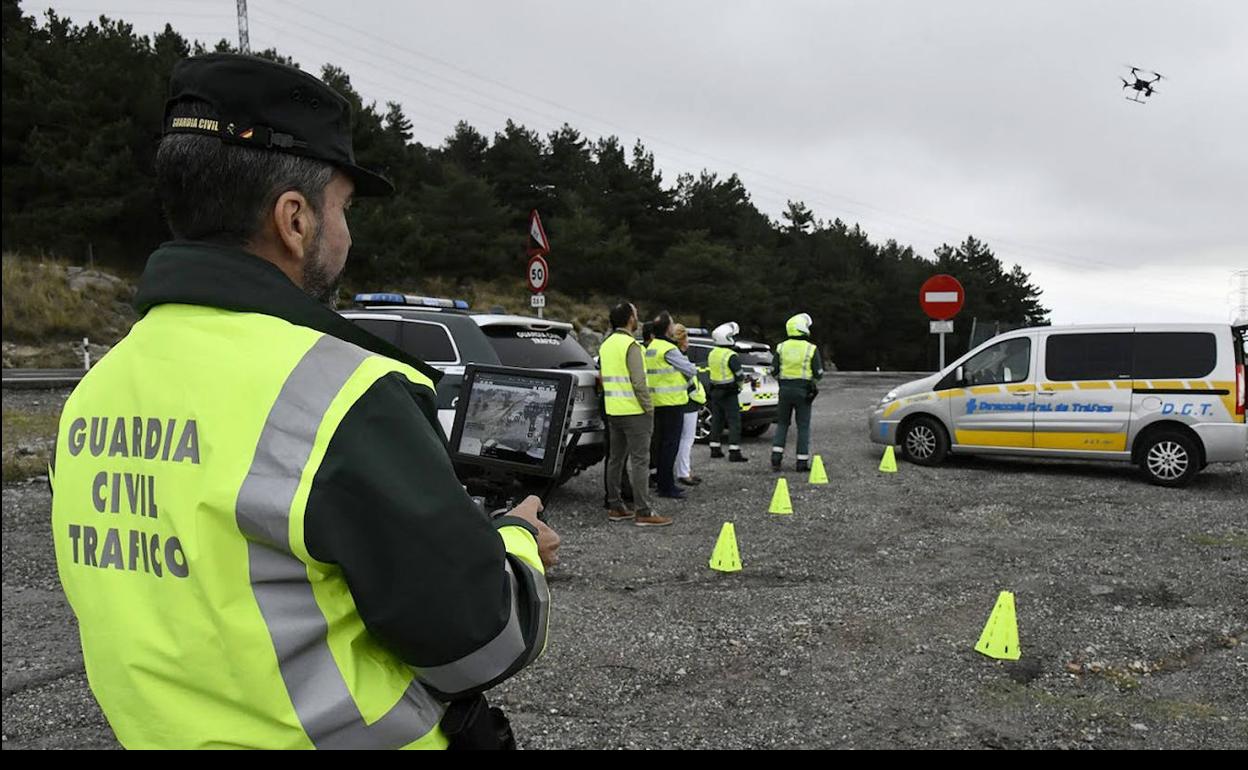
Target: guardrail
41,378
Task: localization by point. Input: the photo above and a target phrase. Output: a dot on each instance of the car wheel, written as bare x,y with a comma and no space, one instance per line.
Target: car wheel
1170,459
702,433
754,431
924,442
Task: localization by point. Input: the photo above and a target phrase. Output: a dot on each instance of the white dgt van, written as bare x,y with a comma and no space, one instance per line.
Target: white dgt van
1167,397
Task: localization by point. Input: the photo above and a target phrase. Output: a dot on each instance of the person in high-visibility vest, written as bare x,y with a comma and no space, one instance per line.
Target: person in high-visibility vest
630,419
255,517
689,431
668,372
727,380
798,366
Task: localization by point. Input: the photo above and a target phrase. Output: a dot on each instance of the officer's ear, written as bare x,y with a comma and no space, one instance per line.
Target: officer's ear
295,223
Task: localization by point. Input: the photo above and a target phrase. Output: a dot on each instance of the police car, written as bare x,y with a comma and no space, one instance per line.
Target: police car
760,397
448,335
1167,397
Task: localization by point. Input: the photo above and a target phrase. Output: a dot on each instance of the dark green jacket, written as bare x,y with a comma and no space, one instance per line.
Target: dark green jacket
423,562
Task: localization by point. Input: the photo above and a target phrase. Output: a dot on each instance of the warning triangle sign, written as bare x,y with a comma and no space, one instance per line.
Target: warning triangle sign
538,234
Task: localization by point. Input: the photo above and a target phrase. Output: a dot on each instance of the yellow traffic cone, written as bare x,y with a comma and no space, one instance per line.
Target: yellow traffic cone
780,502
817,474
726,557
1000,637
889,463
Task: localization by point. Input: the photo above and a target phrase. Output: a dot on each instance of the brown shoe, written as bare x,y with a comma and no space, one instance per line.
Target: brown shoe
650,520
620,515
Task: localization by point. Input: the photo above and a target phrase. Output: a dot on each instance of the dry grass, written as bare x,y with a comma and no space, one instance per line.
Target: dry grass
28,438
40,307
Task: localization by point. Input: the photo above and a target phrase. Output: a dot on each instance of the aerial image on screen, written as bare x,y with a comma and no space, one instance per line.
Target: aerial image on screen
508,418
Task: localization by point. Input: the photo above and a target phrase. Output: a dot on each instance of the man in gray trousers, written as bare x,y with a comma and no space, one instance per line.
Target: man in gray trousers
630,419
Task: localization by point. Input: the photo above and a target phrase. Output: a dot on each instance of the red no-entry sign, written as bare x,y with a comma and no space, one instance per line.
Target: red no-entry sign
941,297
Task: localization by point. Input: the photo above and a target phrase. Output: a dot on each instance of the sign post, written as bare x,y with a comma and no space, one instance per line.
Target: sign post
941,298
539,270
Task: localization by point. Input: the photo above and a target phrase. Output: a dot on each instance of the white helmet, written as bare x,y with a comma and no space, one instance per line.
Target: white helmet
726,334
799,324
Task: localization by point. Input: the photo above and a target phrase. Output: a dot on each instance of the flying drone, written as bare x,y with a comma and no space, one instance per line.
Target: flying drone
1142,87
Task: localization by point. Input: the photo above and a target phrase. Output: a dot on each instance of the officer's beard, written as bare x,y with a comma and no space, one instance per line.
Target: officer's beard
318,283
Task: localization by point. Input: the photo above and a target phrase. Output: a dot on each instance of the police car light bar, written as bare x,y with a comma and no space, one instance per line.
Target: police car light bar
394,298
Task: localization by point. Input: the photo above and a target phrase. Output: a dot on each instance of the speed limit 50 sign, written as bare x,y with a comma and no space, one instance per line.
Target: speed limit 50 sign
539,273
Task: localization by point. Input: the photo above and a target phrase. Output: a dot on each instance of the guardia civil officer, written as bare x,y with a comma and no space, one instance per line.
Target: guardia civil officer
255,517
798,366
726,381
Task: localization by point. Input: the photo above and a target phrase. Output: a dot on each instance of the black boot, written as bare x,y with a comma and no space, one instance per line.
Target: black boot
803,466
776,460
735,456
716,452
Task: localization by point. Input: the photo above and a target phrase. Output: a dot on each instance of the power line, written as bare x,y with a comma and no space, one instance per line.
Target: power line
353,52
1046,253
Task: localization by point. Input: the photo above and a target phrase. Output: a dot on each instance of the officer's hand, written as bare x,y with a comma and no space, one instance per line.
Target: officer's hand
547,538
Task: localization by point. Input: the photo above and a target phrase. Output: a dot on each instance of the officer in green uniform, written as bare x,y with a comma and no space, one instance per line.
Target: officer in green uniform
255,517
798,366
726,380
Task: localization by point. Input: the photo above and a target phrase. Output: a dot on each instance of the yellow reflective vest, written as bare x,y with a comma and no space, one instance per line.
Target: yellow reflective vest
667,385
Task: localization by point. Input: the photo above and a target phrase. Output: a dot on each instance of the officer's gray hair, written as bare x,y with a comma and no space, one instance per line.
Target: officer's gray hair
213,191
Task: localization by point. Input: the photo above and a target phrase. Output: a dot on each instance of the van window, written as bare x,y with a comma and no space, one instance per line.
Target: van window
387,330
1174,355
430,343
1087,357
1008,361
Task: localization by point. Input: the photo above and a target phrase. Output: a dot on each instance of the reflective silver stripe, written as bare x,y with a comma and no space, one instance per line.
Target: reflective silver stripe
714,445
664,370
488,662
618,394
317,689
778,449
615,379
734,447
670,389
808,363
803,457
543,609
651,352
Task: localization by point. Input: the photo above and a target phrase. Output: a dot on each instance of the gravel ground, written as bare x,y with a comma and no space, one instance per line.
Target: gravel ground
852,623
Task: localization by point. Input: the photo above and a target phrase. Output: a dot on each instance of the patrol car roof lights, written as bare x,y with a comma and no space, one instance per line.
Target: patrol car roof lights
394,298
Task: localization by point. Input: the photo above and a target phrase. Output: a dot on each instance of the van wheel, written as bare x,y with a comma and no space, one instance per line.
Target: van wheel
924,442
1170,459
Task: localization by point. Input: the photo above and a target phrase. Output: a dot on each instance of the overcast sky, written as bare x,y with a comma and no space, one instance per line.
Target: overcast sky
922,121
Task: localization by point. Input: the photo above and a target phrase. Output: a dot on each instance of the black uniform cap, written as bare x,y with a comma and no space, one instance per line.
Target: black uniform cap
267,106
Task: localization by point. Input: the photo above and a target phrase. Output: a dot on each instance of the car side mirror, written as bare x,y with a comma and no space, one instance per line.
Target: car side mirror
959,376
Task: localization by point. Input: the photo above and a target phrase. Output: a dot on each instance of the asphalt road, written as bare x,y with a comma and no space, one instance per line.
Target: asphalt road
850,626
